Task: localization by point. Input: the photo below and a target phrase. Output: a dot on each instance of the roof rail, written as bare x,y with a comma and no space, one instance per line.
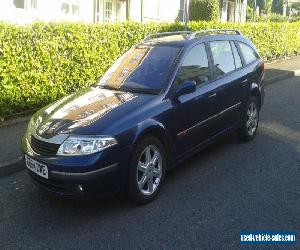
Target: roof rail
192,34
215,31
164,34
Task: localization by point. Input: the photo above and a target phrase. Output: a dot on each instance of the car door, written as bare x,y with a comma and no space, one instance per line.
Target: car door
199,109
230,82
253,71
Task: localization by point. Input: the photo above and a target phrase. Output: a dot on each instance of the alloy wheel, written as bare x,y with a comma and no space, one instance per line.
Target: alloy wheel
149,170
252,118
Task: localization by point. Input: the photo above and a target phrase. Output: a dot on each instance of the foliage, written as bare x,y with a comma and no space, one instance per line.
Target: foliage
295,9
205,10
261,4
277,7
273,18
269,10
250,3
268,6
294,19
264,5
249,14
40,63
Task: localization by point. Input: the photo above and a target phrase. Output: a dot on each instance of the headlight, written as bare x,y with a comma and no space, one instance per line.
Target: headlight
85,145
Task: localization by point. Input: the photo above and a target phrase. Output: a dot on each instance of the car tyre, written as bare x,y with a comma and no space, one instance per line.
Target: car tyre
250,120
147,170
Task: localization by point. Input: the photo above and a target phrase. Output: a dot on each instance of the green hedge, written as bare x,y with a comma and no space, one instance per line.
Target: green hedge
43,62
205,10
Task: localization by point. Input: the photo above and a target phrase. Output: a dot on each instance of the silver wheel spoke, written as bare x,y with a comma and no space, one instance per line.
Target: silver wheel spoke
248,122
143,181
149,170
154,158
148,155
250,129
142,167
150,183
252,120
254,113
249,112
157,173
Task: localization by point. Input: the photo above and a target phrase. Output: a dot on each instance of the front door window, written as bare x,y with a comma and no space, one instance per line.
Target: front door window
195,66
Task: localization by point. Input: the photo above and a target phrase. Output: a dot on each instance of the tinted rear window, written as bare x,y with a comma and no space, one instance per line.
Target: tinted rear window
250,55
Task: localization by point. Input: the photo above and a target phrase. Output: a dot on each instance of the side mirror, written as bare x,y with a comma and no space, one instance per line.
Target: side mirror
186,87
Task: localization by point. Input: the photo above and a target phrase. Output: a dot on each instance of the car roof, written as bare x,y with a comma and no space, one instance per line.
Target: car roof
189,38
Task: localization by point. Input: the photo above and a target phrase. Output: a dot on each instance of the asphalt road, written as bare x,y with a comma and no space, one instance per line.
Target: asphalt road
205,202
10,147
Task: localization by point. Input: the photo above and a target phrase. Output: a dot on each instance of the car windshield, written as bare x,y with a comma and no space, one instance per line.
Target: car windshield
141,69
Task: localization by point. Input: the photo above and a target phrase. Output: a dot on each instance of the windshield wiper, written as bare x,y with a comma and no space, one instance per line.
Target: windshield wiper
140,90
107,87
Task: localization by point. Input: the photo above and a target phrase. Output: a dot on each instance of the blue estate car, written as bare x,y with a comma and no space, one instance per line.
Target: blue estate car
162,101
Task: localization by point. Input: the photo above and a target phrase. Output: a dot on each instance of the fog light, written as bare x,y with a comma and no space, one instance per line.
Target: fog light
80,189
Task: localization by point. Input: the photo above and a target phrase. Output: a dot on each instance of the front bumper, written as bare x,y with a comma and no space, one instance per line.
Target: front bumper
89,175
87,184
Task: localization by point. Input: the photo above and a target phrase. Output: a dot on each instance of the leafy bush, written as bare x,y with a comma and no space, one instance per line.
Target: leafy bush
204,10
273,40
40,63
273,18
249,14
295,9
294,19
277,6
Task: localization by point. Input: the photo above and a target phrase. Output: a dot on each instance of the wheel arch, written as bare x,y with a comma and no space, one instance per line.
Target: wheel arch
255,91
156,129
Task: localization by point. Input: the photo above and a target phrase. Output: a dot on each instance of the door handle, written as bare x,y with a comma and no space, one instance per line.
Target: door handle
212,95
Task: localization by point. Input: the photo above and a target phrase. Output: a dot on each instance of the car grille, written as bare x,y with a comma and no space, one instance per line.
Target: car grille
43,148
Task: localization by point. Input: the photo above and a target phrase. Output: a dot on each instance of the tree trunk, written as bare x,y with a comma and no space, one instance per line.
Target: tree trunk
127,9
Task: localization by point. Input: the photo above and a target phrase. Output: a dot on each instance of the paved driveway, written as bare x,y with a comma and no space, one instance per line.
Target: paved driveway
205,203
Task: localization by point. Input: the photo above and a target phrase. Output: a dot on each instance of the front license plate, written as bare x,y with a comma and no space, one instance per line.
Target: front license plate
36,167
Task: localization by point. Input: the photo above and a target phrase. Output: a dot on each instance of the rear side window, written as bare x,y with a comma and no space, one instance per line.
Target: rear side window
195,66
237,58
223,57
249,54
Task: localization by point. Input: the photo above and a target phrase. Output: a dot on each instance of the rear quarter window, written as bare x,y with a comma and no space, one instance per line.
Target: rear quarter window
249,54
